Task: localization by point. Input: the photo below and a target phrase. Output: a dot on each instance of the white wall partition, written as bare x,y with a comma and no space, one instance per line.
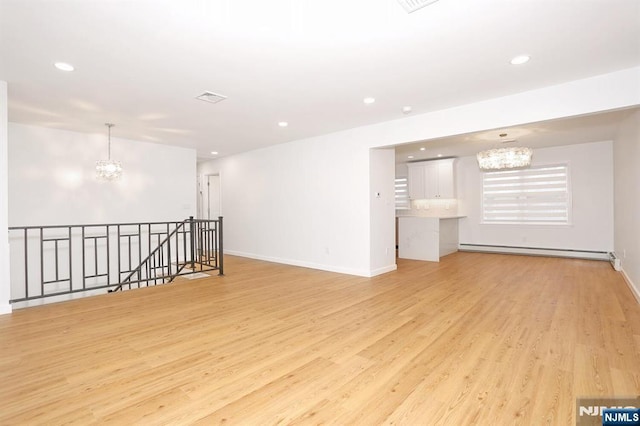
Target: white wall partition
5,291
52,179
382,211
312,204
304,203
626,149
596,94
591,183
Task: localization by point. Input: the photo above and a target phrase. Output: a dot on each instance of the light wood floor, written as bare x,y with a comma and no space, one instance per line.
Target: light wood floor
477,339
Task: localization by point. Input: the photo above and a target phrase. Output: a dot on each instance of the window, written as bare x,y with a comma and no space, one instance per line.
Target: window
402,194
537,195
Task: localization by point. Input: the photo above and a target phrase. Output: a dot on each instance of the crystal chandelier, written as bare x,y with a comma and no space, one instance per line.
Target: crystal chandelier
504,158
108,169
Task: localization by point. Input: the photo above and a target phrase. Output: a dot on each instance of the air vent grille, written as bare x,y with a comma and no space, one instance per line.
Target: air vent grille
413,5
211,97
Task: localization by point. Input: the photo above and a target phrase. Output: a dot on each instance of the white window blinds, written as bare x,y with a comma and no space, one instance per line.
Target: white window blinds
402,194
537,195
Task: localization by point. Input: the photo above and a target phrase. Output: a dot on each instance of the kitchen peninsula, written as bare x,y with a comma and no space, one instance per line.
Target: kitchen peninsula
427,238
428,229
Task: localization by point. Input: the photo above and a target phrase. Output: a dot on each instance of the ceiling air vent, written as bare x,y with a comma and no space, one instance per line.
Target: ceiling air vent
413,5
211,97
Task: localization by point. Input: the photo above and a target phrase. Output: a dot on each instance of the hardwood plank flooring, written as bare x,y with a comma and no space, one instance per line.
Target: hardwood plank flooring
483,339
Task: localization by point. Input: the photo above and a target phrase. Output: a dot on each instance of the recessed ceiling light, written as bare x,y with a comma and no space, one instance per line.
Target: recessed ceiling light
369,101
411,156
520,59
283,124
423,148
439,155
214,152
63,66
407,110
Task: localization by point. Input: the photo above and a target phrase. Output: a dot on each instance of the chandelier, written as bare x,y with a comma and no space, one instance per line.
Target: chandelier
108,169
504,158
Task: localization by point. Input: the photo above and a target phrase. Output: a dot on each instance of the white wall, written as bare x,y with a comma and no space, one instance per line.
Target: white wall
591,180
299,204
626,157
307,202
310,204
382,211
5,307
52,179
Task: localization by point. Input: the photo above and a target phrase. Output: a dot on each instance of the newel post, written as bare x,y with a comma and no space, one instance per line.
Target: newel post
220,249
192,230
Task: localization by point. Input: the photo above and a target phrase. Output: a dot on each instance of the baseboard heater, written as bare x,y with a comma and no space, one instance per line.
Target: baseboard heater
615,262
536,251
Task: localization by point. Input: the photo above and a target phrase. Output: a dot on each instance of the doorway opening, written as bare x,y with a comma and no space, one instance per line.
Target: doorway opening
210,197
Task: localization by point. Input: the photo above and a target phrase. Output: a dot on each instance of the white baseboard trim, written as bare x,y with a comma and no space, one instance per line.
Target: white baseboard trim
312,265
383,270
5,309
532,251
634,290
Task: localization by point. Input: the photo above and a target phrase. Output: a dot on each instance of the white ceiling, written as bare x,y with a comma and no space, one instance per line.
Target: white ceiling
139,64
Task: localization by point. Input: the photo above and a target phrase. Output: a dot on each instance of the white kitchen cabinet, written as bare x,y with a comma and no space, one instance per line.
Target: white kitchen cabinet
431,179
416,182
445,182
